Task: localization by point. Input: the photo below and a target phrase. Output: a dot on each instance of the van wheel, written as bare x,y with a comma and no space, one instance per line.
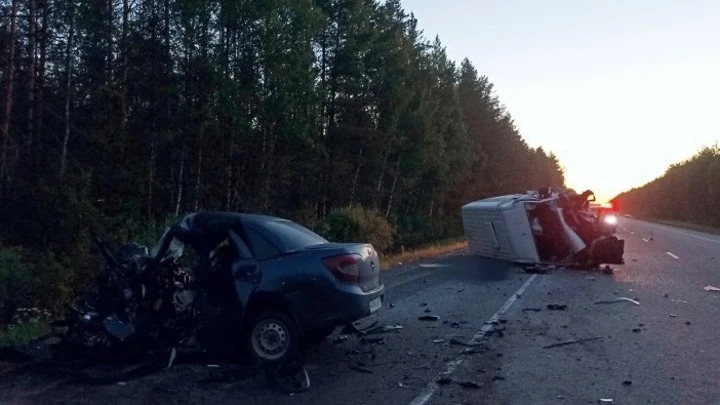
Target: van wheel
272,337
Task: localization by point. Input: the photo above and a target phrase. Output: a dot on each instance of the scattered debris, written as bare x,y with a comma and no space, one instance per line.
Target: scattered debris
121,383
687,322
637,330
476,350
590,278
429,318
382,329
470,384
444,380
213,365
438,340
711,288
423,304
361,369
606,400
618,299
532,309
400,384
500,332
502,321
557,307
572,341
392,305
454,324
373,339
538,268
666,295
560,397
627,382
427,311
457,342
673,316
340,339
498,378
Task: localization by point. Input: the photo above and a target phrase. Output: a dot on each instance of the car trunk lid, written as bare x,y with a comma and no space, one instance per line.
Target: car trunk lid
365,262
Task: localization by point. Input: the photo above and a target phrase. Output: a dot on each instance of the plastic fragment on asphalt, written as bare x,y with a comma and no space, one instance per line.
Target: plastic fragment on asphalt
438,340
627,382
429,318
673,316
470,384
557,307
711,288
606,400
121,383
444,380
618,299
212,365
361,369
572,341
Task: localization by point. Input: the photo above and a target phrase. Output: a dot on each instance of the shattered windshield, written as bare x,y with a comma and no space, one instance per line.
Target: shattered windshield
175,249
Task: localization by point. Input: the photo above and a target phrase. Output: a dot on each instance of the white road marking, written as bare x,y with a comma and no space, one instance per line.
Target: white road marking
432,387
694,236
674,230
672,255
434,265
408,280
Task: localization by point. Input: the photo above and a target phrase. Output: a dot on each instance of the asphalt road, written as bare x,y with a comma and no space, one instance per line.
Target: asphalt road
660,352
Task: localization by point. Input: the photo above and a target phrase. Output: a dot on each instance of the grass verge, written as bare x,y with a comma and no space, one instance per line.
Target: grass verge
414,255
20,334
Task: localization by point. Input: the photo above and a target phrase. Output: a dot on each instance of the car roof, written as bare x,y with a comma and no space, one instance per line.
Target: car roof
212,226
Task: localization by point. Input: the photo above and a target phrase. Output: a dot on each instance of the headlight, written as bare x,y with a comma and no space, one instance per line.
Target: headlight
610,219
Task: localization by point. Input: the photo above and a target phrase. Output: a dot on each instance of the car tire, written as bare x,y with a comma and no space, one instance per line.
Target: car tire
272,337
316,336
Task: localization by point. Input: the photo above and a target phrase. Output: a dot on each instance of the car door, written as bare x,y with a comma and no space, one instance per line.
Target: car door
245,271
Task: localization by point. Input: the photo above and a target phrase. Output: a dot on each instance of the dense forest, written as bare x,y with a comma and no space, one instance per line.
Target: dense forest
118,116
687,192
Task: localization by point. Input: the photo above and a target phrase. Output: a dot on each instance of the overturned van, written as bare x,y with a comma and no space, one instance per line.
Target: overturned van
542,227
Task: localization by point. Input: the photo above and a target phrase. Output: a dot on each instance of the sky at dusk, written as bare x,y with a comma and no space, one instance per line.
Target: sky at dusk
618,90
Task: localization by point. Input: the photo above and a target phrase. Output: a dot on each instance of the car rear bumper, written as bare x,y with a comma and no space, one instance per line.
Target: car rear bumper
352,304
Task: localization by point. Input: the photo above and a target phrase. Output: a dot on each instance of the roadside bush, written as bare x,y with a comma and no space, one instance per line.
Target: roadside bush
357,224
15,281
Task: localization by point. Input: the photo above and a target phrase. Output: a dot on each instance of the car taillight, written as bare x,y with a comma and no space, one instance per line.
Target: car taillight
344,267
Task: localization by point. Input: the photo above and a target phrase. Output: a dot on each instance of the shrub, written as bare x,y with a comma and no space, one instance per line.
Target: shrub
357,224
15,281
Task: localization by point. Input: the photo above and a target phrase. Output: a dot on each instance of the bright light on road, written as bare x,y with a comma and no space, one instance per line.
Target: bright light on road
610,219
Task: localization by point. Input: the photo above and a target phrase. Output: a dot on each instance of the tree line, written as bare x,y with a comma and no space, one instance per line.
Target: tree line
687,192
117,116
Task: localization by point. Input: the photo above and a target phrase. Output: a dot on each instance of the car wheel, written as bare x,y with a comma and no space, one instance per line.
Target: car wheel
272,337
316,336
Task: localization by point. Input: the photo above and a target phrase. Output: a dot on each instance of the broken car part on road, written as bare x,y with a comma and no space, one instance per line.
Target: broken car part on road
541,228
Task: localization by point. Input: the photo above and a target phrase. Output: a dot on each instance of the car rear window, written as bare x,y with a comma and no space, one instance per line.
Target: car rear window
262,247
292,236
